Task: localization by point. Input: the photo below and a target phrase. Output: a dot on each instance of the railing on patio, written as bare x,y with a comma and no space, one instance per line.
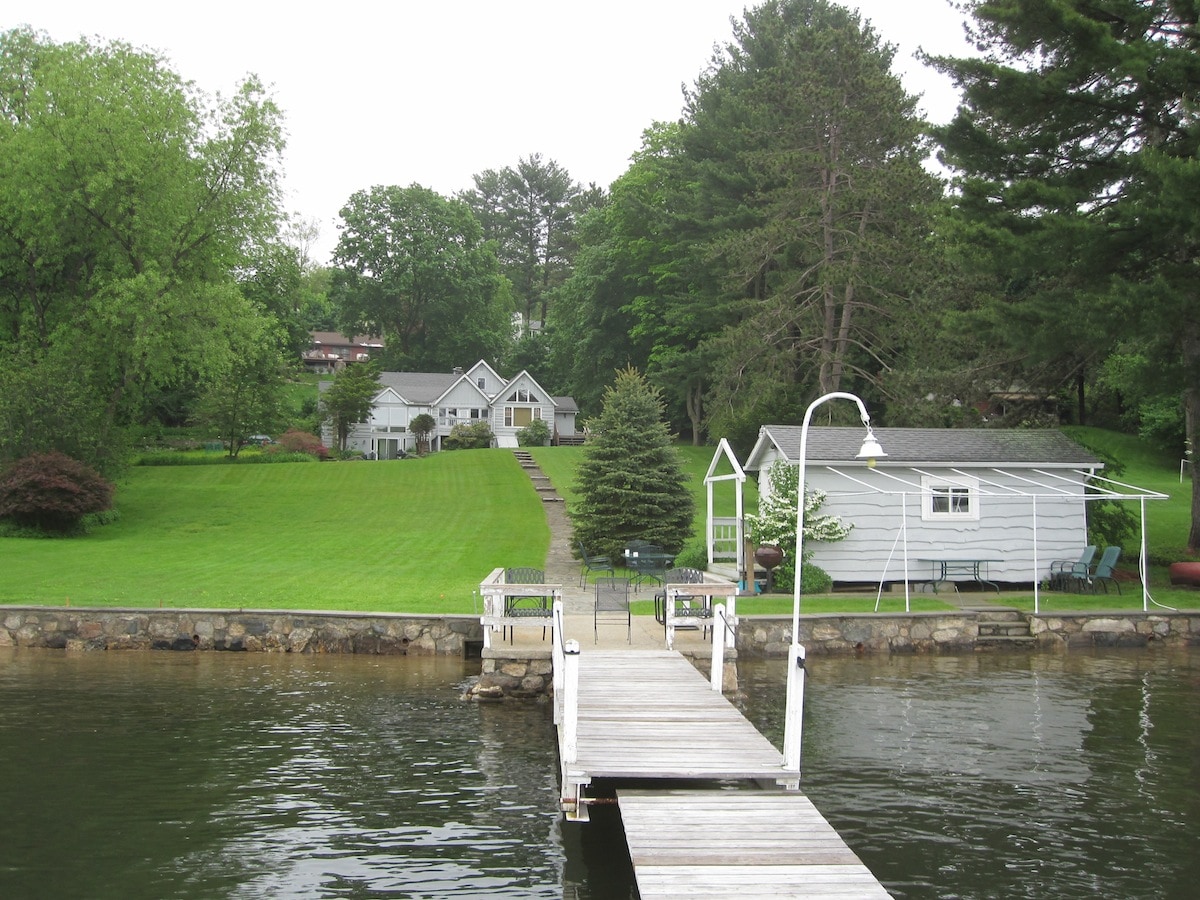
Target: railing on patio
496,614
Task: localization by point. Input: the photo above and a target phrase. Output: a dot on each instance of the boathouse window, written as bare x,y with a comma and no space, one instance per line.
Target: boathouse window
949,499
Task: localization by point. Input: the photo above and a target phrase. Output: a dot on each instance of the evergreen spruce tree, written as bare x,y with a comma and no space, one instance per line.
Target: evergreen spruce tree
631,483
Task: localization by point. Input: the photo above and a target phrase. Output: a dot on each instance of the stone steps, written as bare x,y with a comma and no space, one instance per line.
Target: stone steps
540,482
1003,628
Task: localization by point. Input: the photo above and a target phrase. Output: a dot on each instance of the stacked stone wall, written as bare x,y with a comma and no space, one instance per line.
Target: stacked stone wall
769,636
1115,630
237,630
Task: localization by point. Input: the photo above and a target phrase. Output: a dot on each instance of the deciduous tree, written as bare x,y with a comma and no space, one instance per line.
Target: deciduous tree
414,268
349,399
128,201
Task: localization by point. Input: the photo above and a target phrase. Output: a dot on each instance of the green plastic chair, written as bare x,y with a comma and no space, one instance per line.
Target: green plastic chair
1104,571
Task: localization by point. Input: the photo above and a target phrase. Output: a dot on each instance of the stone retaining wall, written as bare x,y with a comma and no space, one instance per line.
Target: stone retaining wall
769,636
78,628
1115,629
936,632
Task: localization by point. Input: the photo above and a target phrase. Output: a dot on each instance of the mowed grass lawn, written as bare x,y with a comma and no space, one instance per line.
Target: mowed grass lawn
413,535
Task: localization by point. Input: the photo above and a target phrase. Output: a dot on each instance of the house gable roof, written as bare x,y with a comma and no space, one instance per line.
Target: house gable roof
528,379
470,383
927,446
419,388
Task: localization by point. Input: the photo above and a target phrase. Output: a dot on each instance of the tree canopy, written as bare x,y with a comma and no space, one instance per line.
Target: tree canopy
128,202
759,250
414,268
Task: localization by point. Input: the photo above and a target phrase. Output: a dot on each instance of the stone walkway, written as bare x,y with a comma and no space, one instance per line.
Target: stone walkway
563,568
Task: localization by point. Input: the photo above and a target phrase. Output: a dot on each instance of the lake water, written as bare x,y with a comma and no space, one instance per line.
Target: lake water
161,775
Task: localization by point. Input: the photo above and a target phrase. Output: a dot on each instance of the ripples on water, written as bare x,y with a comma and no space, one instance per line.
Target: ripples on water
999,775
160,775
219,775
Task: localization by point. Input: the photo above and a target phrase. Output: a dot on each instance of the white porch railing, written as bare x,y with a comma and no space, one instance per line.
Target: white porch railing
674,615
726,536
494,590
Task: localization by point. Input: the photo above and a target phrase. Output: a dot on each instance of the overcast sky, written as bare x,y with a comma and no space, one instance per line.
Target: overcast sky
433,92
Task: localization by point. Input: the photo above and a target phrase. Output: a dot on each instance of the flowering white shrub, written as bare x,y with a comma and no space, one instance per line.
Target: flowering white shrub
775,522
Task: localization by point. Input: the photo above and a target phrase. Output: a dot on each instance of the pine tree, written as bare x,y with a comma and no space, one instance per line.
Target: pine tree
631,482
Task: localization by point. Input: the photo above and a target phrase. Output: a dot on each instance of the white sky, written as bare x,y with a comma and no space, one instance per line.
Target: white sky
397,92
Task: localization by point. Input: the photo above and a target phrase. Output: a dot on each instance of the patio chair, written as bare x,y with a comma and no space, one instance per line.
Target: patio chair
1104,571
591,563
690,611
516,607
1064,571
612,596
681,575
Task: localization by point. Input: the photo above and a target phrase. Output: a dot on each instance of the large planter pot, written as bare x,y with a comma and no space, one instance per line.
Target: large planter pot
1185,573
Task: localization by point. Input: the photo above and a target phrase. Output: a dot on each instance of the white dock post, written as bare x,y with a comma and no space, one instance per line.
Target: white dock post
794,716
717,675
570,723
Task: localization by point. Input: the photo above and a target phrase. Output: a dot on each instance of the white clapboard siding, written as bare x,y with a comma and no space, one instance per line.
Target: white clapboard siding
1003,532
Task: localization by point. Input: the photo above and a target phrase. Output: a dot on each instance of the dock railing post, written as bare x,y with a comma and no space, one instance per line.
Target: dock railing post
556,657
570,722
794,715
717,675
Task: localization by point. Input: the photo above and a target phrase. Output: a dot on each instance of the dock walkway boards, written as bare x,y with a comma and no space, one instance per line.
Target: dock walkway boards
744,843
651,714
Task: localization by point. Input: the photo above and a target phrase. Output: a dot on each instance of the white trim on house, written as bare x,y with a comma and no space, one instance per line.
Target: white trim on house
458,397
1027,490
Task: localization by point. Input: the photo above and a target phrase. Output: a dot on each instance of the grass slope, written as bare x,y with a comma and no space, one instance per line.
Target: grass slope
412,535
409,535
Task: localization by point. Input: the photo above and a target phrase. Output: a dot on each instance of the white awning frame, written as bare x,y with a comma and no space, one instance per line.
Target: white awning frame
1090,487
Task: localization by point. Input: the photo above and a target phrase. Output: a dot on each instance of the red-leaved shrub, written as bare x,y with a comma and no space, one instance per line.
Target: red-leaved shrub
51,491
296,441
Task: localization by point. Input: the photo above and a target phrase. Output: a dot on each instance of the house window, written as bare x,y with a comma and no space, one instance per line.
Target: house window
949,499
479,383
519,416
521,395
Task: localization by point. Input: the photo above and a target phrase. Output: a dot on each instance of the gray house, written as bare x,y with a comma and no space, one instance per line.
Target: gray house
1011,499
478,394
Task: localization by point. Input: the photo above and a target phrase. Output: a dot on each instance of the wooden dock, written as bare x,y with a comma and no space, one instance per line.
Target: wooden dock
738,844
736,833
651,714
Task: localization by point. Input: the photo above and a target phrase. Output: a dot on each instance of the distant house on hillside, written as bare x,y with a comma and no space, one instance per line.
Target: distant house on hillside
460,397
331,350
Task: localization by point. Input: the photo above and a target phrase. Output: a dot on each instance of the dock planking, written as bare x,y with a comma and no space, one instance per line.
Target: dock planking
738,844
651,715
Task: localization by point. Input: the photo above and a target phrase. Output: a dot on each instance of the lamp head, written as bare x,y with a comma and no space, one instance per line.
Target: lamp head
871,450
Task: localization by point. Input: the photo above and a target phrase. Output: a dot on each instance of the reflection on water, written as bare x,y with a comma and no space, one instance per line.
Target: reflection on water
1000,775
205,775
159,775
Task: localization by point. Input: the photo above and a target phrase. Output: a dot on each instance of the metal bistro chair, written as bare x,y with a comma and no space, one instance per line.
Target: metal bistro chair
591,564
647,561
521,607
612,596
698,609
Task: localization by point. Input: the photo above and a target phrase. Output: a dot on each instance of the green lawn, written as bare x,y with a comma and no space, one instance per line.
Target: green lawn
413,535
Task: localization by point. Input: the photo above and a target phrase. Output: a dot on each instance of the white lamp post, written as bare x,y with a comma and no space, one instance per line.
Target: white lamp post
795,680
